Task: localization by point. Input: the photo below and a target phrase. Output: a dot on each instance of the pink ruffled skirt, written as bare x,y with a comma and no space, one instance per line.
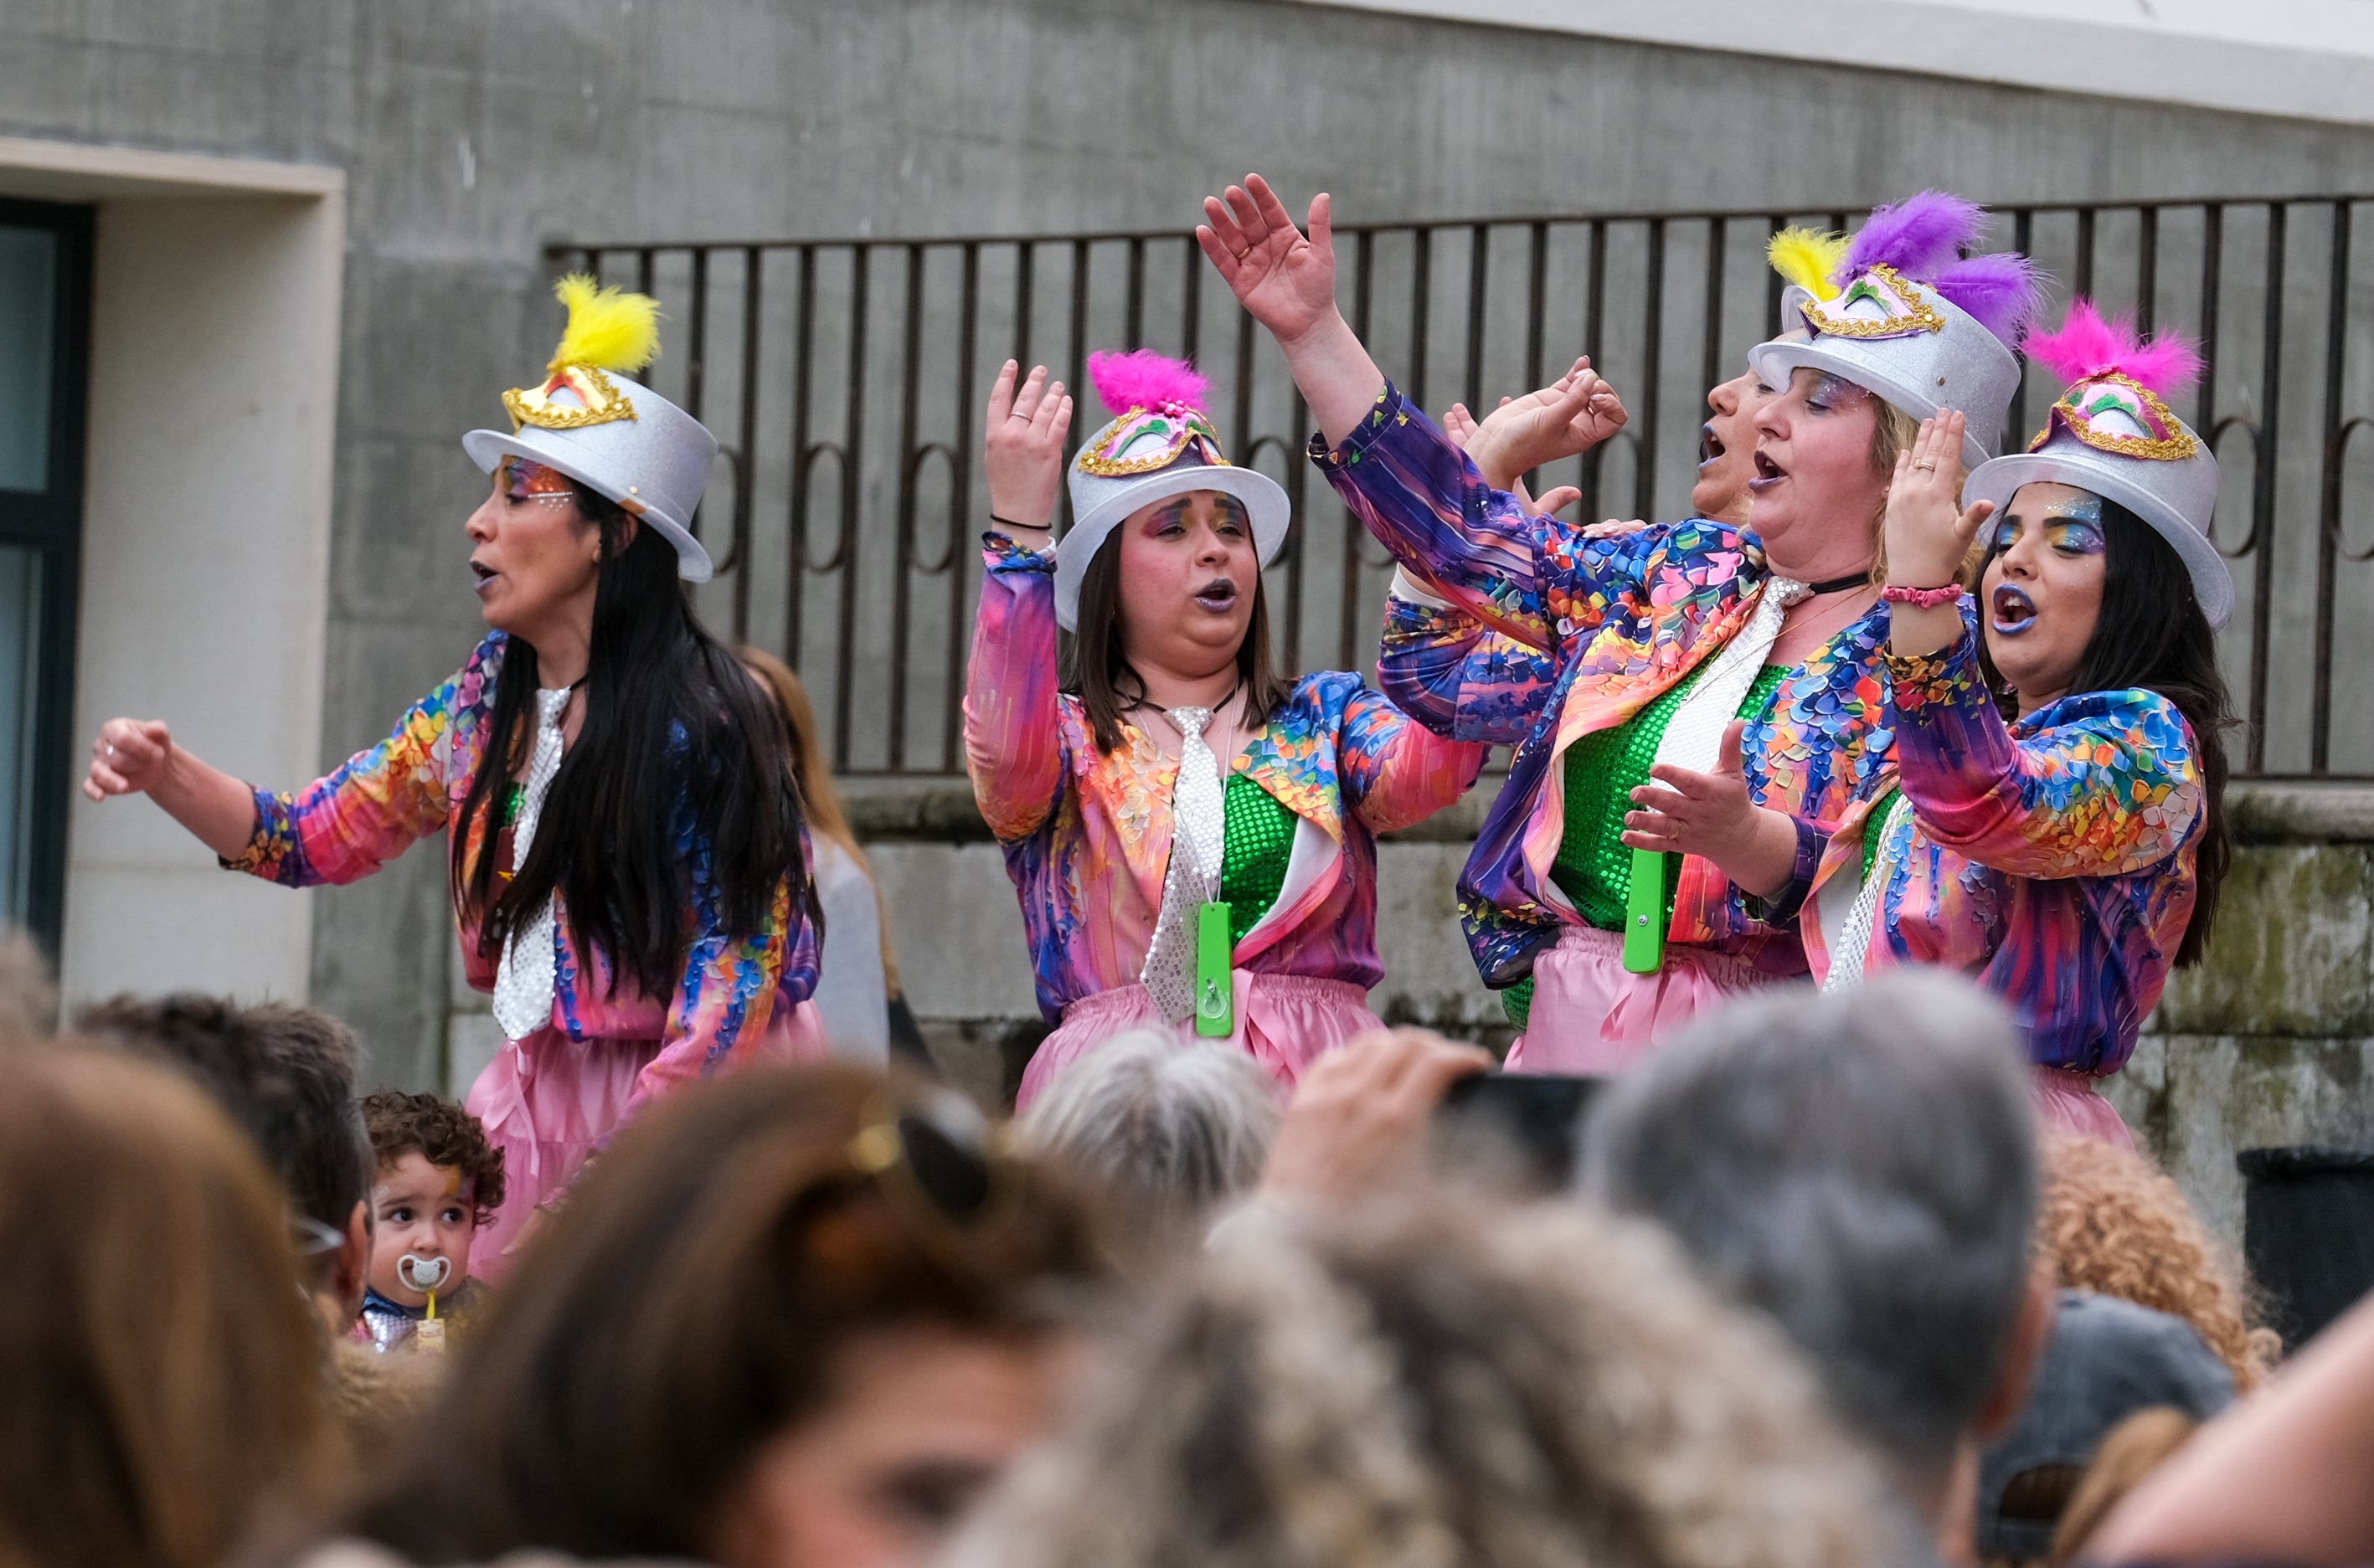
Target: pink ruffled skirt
2069,1103
546,1102
1284,1021
1591,1015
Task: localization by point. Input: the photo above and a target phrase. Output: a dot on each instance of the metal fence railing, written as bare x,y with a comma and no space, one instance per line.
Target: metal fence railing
846,378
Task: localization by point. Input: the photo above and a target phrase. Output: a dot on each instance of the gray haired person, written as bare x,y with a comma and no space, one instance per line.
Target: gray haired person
1171,1133
1861,1166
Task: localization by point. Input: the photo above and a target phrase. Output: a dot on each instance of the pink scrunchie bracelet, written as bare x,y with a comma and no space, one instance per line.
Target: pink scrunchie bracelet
1923,598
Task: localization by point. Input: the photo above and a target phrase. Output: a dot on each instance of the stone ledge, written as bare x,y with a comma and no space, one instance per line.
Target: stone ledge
939,808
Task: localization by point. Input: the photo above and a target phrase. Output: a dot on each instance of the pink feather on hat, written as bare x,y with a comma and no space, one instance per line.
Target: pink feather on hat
2001,291
1144,379
1914,237
2087,347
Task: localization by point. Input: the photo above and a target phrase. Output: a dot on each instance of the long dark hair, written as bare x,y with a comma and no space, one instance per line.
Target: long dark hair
2152,635
1098,670
671,719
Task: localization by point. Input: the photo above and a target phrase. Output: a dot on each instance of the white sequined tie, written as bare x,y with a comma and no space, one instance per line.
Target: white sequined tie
1198,844
1854,932
1693,737
523,980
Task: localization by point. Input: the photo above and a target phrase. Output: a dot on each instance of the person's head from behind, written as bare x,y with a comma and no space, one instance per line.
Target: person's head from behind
285,1074
1863,1167
1168,1133
158,1381
1431,1382
796,1319
2112,1223
437,1181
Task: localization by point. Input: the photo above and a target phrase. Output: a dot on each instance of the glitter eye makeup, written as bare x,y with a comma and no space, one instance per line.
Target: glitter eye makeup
1832,392
521,480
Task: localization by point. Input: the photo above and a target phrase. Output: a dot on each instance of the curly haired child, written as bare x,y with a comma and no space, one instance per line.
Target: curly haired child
439,1179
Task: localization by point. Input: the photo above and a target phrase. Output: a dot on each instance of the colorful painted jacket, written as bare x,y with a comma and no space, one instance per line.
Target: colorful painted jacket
1593,629
1087,835
405,789
2051,858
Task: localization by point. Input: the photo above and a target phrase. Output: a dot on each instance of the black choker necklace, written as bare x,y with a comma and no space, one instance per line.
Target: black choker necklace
1839,584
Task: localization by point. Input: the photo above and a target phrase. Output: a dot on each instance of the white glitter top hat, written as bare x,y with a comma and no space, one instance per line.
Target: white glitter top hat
1159,444
615,436
2112,435
1916,321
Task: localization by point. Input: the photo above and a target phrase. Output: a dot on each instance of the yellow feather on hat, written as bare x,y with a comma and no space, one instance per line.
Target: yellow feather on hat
1807,257
609,329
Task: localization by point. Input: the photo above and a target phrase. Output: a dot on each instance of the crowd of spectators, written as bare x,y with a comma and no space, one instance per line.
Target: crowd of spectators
1815,1291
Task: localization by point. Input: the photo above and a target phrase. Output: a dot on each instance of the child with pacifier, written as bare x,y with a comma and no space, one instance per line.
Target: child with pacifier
439,1179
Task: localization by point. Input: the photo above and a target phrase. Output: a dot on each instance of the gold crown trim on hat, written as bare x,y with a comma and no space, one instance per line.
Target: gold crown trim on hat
1192,427
600,400
2173,448
1922,316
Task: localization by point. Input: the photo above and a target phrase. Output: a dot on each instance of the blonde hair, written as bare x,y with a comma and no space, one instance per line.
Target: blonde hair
2112,1223
160,1379
817,792
1440,1386
2128,1453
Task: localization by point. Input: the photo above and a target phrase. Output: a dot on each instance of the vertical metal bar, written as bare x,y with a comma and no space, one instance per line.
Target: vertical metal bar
1536,309
1025,257
1133,330
961,517
1191,306
644,265
2147,269
2084,282
1297,539
853,494
1772,285
2328,533
2213,260
1421,292
1594,316
1240,437
1079,346
746,464
1364,260
2023,240
696,364
2262,488
1652,348
1710,351
1479,258
910,366
802,365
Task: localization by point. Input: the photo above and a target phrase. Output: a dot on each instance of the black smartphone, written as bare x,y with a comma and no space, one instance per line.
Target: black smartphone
1514,1128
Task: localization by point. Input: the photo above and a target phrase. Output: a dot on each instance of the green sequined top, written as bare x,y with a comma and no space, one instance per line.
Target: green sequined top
1259,833
1593,866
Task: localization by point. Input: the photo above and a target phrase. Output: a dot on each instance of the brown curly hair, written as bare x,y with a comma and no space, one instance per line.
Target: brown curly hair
441,1133
2114,1223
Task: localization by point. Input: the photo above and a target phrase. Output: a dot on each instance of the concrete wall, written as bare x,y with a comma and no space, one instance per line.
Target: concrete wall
472,134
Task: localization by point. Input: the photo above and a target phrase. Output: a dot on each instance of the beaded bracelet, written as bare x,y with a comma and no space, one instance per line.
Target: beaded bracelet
1923,598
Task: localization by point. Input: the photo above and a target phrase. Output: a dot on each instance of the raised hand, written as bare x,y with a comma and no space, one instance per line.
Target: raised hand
129,757
1571,416
1928,531
1711,815
1285,279
1023,446
1459,426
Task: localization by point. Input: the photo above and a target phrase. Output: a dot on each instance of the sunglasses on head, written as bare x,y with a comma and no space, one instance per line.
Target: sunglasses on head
936,1155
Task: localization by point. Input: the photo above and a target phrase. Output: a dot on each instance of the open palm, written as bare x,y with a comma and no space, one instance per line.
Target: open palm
1285,279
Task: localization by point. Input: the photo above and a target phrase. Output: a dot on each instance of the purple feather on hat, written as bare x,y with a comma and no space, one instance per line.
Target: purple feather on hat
1913,237
2001,291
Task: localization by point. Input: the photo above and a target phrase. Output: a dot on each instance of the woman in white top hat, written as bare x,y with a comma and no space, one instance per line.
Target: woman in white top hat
628,854
1193,834
1643,651
2059,830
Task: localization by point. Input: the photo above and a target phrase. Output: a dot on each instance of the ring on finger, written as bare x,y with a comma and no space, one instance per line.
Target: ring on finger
1925,467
